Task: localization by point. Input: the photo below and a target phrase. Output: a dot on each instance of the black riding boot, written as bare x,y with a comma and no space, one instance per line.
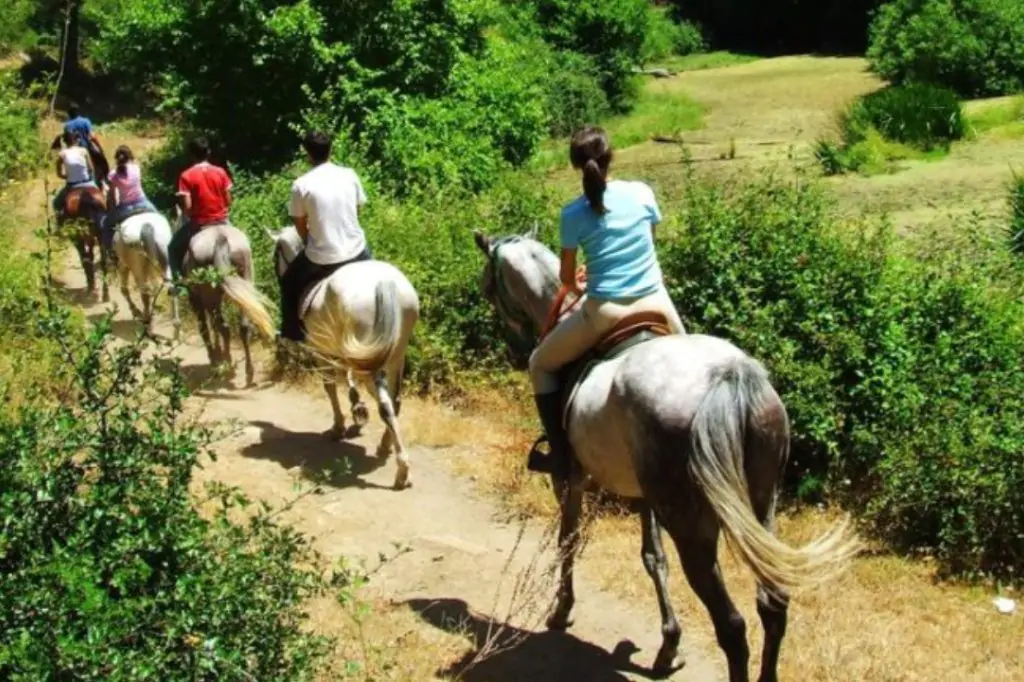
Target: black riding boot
549,407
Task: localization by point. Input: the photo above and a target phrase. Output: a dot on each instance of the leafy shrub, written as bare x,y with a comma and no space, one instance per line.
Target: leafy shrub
20,150
893,124
666,36
1016,206
924,116
572,95
110,571
612,32
900,374
975,47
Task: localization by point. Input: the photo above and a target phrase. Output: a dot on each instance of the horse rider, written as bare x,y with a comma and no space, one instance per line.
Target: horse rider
81,127
324,206
204,196
613,222
125,196
74,167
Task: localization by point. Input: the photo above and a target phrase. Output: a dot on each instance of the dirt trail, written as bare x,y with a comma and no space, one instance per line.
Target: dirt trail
458,549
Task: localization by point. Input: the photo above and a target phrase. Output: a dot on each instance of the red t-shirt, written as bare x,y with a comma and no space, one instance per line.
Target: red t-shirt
208,186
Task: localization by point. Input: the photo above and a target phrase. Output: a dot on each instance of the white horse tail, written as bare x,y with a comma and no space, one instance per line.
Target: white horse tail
717,465
157,253
364,355
243,292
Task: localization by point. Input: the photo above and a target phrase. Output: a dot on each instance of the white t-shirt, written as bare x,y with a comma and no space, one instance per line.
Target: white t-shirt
329,196
76,163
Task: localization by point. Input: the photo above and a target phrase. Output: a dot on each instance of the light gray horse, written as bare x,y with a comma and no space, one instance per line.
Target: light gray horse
359,321
225,249
140,243
690,428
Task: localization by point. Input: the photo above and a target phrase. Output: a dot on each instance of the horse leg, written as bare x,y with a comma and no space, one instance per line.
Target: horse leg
98,239
389,414
85,256
204,326
570,499
338,430
224,337
245,334
125,275
696,540
360,413
653,554
773,609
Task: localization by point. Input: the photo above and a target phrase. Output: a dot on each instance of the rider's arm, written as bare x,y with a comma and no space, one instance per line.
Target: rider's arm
184,197
61,173
567,273
297,211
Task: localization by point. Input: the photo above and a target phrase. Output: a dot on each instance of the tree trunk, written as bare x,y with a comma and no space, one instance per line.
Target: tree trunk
72,39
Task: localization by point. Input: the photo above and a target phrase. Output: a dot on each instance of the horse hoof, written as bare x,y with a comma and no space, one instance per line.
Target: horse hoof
402,481
667,663
360,414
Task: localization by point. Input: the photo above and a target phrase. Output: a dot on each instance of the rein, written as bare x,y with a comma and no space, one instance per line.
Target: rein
556,313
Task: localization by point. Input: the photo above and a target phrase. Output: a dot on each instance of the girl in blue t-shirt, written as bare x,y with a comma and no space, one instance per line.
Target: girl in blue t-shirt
613,222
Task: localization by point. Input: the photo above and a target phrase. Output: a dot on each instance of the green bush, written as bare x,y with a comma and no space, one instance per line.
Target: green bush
975,47
900,374
666,36
110,570
921,115
572,94
612,32
895,123
1016,206
20,150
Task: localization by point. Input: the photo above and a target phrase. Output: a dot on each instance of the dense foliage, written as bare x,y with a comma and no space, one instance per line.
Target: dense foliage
890,124
901,375
20,151
975,47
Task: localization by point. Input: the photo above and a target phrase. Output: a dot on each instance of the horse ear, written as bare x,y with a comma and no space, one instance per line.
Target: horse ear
483,242
534,231
270,234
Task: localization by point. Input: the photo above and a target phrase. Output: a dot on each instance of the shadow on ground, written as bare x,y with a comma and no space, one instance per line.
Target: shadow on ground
321,458
520,655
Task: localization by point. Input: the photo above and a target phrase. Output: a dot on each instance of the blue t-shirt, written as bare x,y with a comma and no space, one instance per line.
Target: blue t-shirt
80,126
619,245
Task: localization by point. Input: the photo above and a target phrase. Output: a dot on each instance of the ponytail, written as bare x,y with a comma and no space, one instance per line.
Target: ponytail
591,153
594,184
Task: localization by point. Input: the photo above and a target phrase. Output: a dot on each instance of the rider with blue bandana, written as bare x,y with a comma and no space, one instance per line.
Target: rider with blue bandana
613,222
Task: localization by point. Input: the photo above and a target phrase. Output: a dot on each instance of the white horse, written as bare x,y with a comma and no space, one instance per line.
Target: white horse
359,321
140,243
690,427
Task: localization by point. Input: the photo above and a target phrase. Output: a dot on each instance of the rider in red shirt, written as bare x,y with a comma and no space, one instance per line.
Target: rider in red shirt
204,194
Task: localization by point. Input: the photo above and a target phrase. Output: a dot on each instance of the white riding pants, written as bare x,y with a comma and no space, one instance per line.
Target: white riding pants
585,326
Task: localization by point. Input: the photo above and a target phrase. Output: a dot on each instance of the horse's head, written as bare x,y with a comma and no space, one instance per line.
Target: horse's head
287,245
520,279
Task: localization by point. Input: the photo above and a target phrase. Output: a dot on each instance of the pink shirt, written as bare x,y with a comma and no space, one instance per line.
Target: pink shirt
129,186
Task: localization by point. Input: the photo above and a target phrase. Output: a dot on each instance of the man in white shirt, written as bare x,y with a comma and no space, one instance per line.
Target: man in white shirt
324,206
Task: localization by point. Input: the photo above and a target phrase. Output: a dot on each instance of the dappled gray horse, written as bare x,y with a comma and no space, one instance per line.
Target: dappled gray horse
690,428
225,250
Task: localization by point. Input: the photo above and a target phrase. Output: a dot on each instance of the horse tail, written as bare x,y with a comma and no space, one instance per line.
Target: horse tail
365,355
242,292
719,427
157,255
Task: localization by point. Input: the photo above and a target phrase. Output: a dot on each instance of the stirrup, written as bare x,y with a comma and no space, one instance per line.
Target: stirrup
539,461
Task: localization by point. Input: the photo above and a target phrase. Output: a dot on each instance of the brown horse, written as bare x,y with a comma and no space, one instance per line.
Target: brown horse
80,217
